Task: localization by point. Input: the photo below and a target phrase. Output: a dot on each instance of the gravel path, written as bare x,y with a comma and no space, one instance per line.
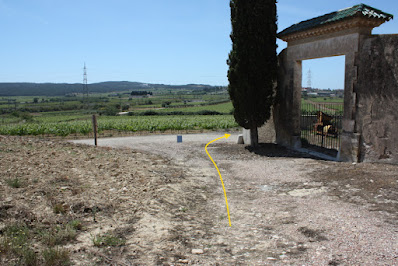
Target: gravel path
165,144
286,209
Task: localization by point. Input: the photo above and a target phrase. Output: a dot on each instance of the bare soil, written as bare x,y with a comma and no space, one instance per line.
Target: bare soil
165,203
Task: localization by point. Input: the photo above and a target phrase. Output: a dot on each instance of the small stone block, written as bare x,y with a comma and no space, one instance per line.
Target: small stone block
197,251
240,139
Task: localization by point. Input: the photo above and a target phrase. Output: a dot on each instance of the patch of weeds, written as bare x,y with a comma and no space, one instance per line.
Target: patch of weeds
59,208
183,209
16,241
55,256
14,182
76,225
29,257
94,211
58,235
108,240
4,246
17,235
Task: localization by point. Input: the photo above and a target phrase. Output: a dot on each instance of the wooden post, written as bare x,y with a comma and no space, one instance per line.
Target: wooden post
95,129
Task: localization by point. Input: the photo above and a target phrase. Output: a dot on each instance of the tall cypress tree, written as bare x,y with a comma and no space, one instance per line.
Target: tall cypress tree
252,62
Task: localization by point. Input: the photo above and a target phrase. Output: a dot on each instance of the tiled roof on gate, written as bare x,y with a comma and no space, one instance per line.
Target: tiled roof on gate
360,10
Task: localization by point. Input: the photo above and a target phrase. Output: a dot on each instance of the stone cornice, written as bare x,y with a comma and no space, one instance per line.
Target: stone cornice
364,23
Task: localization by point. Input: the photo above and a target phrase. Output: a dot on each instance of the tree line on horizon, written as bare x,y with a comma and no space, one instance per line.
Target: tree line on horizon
62,89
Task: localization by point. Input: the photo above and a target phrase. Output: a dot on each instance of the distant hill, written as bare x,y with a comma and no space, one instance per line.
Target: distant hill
59,89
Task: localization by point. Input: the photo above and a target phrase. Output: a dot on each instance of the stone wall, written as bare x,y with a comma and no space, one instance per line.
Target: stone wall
284,111
376,90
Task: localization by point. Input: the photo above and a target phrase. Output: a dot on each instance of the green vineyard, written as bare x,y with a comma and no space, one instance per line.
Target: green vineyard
120,123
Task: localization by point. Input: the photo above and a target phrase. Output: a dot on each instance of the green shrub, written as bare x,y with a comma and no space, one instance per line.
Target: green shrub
111,111
149,113
14,182
108,240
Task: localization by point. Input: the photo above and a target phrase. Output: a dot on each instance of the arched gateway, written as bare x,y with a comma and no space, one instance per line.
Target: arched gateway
370,121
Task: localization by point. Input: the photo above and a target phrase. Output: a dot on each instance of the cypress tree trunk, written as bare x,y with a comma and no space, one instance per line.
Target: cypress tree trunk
254,137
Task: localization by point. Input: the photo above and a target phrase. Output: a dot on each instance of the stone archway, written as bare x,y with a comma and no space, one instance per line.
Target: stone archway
345,32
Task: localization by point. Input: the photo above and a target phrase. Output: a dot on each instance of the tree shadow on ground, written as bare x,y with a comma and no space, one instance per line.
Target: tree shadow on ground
275,150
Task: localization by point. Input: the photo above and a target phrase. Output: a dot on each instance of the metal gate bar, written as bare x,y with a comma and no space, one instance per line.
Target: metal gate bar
321,124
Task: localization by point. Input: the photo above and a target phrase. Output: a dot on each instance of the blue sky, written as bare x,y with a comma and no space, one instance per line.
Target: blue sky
154,41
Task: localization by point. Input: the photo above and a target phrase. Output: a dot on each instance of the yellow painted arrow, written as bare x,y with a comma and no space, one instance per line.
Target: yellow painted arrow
222,182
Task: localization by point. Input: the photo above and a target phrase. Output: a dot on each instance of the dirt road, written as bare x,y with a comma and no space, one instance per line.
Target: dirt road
285,208
152,201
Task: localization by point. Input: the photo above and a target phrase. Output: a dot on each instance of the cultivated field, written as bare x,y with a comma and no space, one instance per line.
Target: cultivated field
66,117
83,126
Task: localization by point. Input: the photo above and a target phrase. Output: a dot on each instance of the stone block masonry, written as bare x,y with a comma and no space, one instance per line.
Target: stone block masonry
377,99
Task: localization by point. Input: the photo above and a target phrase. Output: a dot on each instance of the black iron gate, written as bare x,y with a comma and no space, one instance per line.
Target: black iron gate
321,125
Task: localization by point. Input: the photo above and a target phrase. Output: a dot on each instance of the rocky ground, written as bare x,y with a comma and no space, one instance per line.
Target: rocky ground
158,203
